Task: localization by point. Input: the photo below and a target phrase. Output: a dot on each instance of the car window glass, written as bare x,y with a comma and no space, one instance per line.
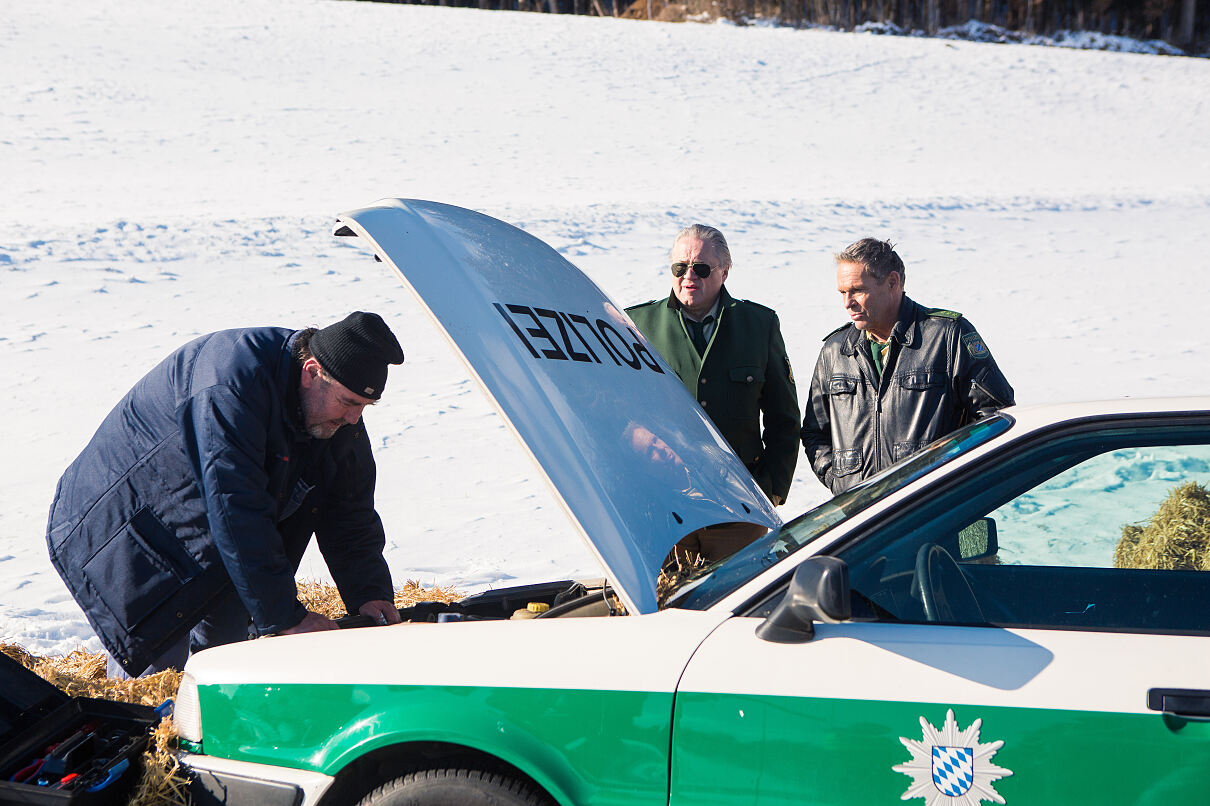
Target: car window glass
1106,529
1077,517
711,583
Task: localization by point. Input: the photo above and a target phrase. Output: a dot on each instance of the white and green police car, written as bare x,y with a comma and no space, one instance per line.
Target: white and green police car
952,632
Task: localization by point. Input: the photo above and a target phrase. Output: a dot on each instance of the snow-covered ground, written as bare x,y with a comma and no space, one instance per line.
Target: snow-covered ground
172,169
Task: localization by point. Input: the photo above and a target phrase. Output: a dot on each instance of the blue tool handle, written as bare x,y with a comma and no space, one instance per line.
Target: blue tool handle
111,775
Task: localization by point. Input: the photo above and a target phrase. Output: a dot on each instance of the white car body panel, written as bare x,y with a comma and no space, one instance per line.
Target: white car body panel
956,665
644,653
585,392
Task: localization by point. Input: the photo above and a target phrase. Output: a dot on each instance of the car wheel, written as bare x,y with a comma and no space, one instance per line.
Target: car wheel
455,788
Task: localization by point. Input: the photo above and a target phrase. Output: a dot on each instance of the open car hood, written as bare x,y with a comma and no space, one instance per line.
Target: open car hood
631,456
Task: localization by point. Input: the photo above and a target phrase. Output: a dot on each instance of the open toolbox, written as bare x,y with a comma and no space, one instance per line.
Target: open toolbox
56,749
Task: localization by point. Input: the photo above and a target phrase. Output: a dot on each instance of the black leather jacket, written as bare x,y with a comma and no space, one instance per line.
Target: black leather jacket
937,376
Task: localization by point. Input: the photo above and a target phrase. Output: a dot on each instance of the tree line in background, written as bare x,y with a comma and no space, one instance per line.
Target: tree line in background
1180,23
1173,21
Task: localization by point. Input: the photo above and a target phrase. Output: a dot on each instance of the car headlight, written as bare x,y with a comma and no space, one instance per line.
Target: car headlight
187,712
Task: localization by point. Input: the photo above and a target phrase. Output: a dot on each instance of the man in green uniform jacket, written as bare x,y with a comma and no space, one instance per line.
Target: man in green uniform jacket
730,354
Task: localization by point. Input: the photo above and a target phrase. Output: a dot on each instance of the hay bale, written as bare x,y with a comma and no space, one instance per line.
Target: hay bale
82,674
19,654
1176,538
164,783
679,566
412,592
320,598
325,599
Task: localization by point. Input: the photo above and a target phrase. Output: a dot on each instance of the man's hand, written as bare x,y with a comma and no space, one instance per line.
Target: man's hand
382,612
312,622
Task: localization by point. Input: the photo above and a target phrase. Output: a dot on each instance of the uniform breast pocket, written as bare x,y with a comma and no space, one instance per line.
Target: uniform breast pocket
753,376
741,399
841,385
140,567
920,380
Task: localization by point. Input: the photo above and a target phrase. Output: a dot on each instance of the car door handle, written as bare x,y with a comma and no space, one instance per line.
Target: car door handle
1190,702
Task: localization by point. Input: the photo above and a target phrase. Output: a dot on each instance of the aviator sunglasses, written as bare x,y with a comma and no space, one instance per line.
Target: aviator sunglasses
702,270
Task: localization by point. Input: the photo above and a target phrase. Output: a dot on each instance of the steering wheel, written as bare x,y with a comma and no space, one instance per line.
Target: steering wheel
944,590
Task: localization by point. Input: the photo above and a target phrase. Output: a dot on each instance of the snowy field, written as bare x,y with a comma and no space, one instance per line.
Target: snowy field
173,169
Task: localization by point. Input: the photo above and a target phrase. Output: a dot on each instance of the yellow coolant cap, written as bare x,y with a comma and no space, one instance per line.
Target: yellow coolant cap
537,607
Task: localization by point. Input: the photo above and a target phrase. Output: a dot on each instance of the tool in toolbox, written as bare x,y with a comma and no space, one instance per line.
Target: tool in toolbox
84,761
67,779
59,750
29,771
102,776
58,756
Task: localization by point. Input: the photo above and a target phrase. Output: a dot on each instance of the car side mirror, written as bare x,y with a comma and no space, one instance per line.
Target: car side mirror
818,591
978,541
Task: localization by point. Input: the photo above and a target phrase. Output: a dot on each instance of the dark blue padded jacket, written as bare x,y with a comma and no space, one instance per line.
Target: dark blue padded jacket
203,477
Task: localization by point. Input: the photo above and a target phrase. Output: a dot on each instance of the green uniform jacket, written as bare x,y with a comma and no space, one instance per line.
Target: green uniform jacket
745,373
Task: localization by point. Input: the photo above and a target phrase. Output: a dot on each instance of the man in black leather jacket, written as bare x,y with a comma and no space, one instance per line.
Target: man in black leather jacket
894,379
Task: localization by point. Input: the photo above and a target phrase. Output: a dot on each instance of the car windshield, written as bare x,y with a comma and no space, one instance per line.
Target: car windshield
701,590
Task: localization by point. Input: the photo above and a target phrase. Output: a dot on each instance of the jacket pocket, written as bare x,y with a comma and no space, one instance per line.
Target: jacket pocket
140,567
996,400
846,461
735,405
301,489
747,374
919,379
841,385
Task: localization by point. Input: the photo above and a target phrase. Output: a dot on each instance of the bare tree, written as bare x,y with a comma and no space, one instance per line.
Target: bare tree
1188,14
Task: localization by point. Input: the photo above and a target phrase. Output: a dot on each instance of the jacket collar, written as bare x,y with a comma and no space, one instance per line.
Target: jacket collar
725,300
906,329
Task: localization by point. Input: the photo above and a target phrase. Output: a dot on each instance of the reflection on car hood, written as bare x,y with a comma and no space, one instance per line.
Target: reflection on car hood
628,451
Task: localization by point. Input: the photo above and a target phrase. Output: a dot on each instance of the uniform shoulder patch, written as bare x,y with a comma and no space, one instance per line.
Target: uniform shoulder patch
975,345
943,313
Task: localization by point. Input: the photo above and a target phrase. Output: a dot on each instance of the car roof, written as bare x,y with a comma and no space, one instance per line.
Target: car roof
1041,414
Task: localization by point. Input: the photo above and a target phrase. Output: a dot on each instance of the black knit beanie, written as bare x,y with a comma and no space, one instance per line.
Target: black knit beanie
356,351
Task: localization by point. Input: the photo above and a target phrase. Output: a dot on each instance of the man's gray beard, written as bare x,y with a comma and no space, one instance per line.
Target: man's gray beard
320,431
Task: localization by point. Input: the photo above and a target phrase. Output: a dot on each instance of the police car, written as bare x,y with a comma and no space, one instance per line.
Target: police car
952,632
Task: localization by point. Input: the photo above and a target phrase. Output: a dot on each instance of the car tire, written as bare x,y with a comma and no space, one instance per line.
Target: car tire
455,788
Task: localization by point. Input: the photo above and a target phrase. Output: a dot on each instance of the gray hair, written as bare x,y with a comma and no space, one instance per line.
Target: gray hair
708,235
878,258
